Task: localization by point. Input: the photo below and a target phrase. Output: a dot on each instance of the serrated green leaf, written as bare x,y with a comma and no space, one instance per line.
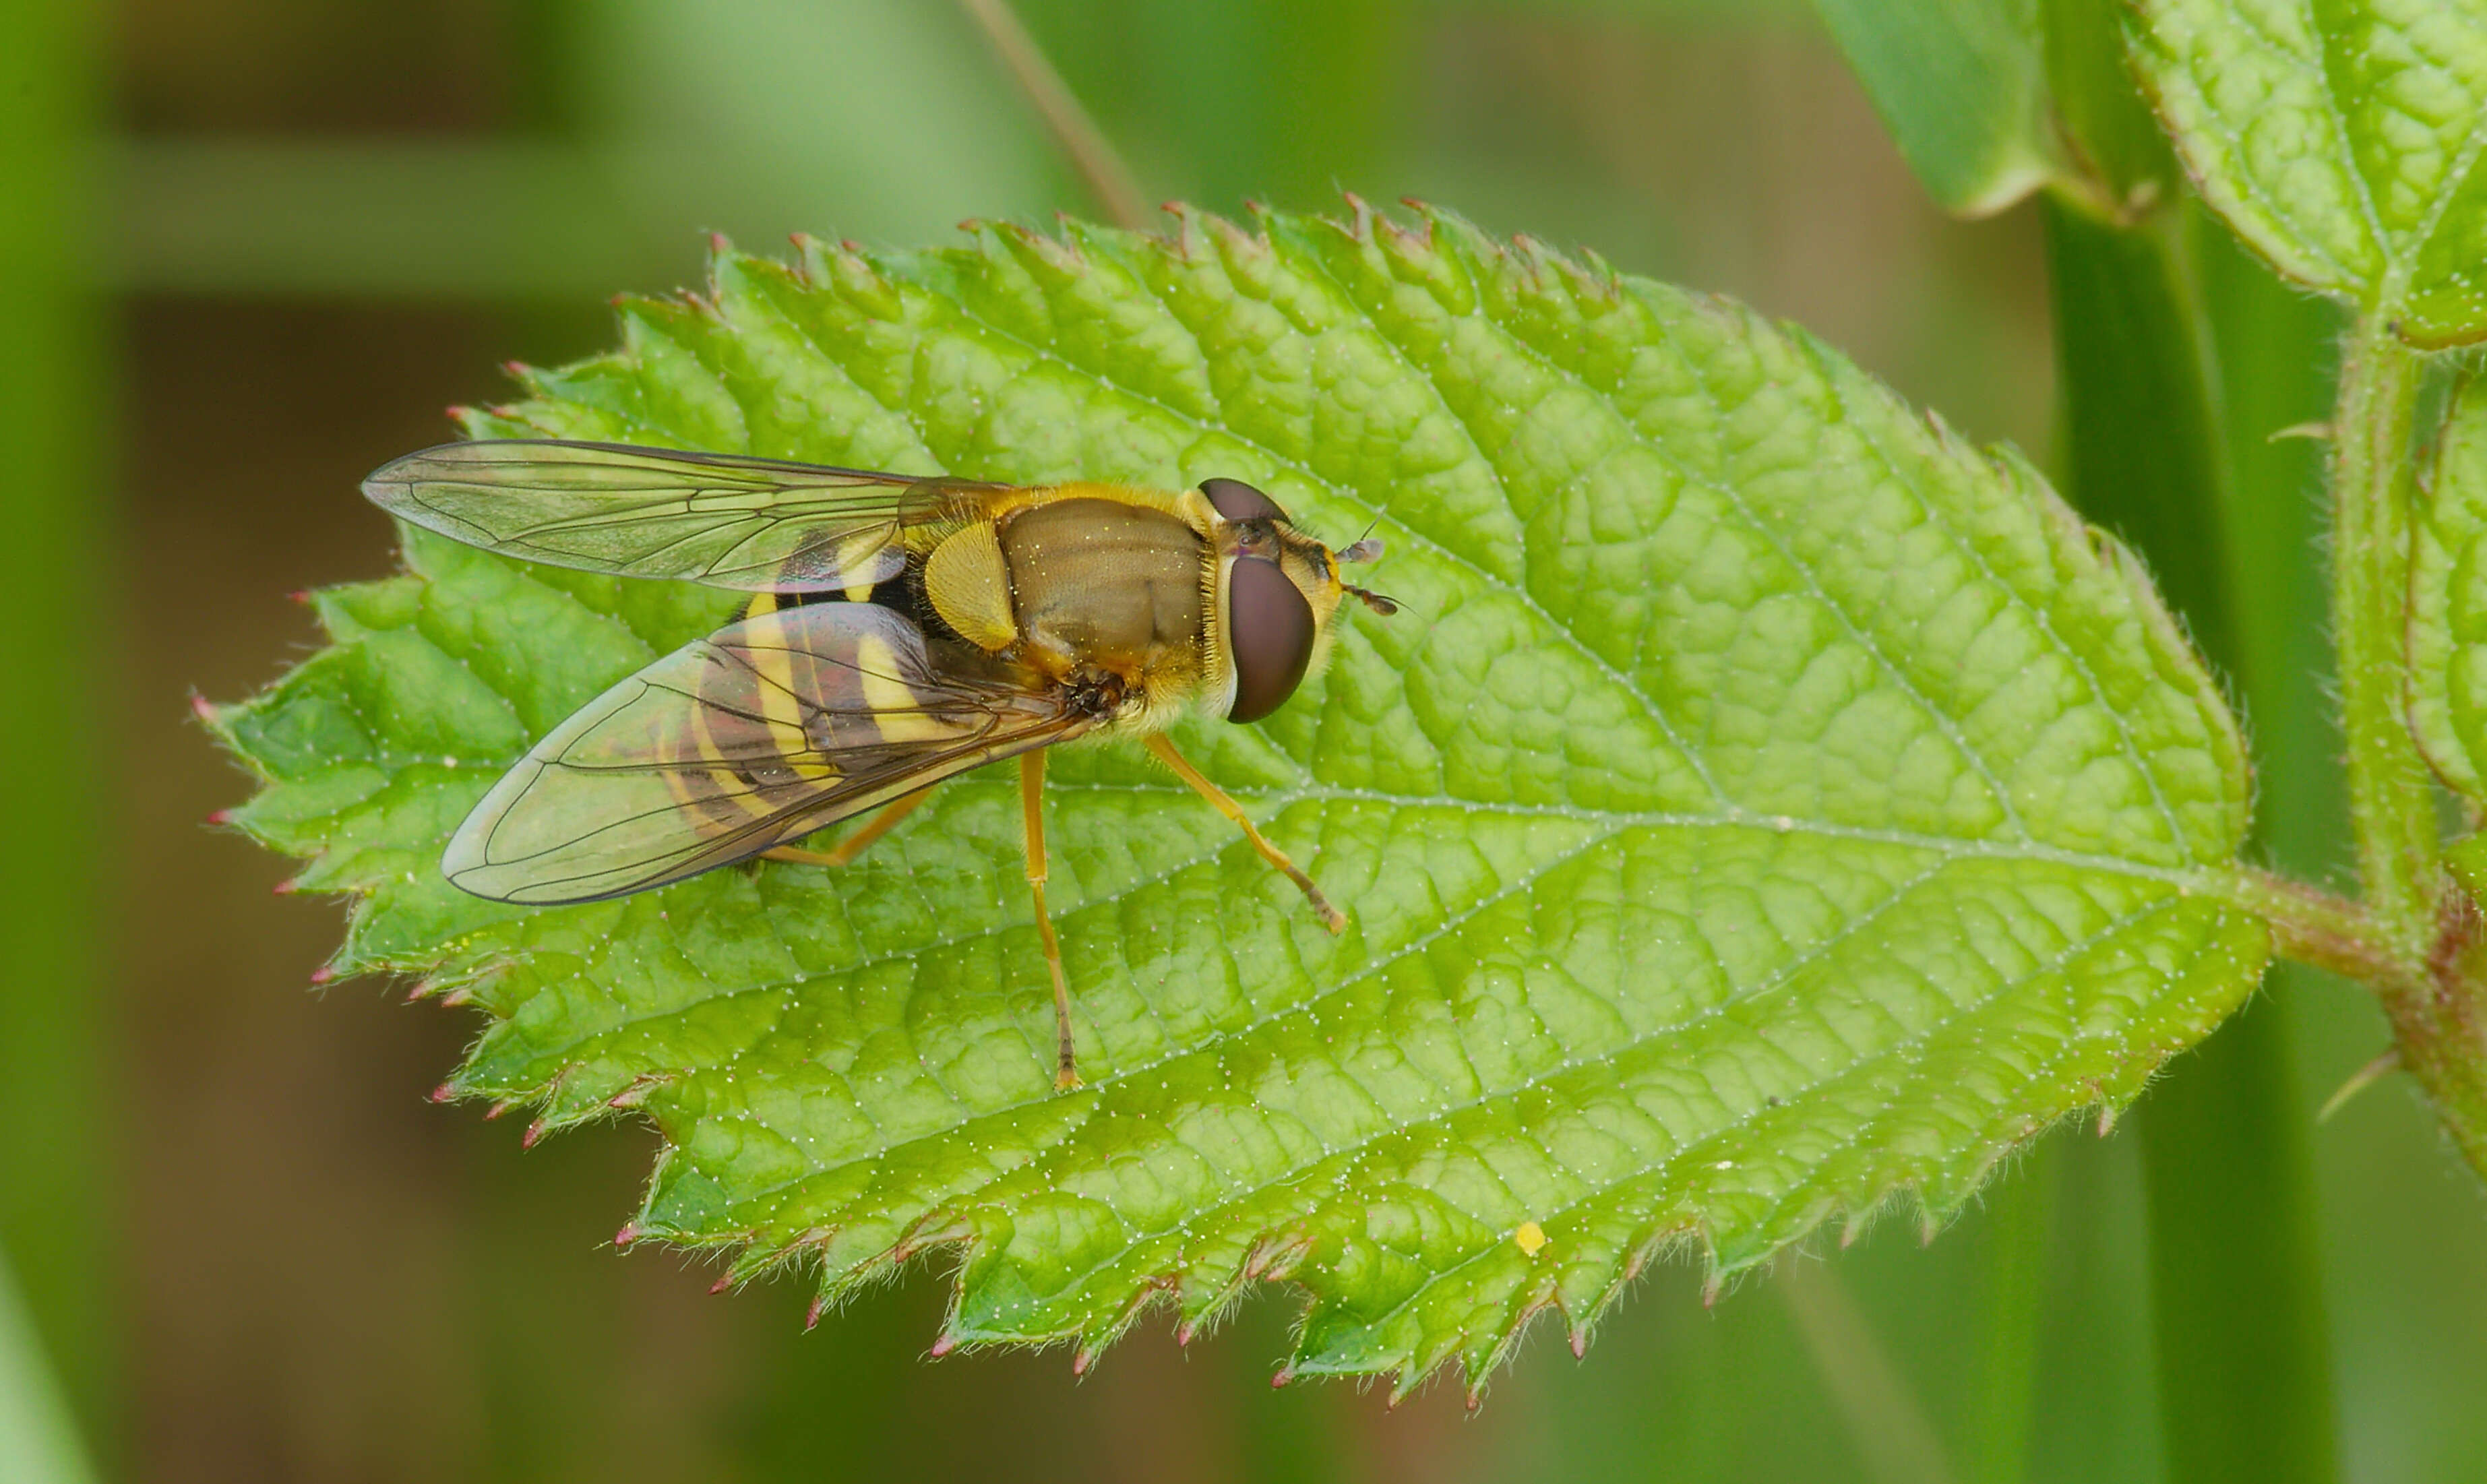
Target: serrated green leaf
1766,803
2341,139
2449,602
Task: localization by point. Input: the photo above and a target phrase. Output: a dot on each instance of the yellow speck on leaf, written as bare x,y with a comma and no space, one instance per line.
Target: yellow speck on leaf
1530,1237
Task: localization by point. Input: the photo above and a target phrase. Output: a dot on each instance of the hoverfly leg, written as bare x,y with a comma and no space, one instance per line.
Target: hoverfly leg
1331,917
1031,800
845,851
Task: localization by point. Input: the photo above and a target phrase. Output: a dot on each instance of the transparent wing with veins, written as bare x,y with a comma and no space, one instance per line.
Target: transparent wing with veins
723,519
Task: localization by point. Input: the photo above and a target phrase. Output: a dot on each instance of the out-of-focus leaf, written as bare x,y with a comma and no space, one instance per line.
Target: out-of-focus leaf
2340,138
1962,84
1764,806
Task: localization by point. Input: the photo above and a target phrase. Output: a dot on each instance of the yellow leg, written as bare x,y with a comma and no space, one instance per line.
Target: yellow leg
846,850
1331,917
1031,804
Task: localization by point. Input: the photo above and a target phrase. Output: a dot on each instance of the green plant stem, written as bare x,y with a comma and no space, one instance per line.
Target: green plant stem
2391,805
2441,1025
2435,987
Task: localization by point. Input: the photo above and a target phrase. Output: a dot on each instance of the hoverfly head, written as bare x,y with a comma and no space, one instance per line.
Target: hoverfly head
1281,589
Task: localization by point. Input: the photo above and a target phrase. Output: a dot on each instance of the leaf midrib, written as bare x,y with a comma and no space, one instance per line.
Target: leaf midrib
2222,887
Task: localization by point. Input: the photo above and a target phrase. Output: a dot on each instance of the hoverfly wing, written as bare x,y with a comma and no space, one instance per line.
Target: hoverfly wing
760,734
723,519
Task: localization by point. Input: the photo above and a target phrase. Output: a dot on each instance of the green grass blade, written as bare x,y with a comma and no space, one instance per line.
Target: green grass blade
55,1220
2243,1379
38,1437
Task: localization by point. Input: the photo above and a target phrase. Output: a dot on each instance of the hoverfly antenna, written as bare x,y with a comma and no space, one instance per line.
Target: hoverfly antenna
1385,607
1364,548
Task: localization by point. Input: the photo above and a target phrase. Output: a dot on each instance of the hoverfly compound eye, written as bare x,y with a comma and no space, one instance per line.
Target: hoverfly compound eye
1237,500
1269,630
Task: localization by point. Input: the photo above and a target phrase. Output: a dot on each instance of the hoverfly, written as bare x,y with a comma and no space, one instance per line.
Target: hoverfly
901,629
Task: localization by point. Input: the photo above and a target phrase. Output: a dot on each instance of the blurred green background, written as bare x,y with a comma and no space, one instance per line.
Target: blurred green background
250,249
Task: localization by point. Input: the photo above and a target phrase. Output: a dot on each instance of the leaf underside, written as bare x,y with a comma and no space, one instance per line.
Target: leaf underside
2343,141
1766,803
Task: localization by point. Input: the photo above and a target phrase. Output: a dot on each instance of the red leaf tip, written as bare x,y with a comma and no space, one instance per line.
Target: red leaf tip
943,1343
812,1315
285,888
724,1281
201,708
535,1131
445,1093
323,974
222,817
629,1234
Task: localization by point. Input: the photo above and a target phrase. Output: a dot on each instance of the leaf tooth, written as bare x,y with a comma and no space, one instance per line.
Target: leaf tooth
636,1093
1053,261
1413,258
1236,242
1360,221
856,281
1185,238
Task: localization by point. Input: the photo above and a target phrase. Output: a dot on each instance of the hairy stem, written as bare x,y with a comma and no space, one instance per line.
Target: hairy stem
2440,1021
2311,926
2434,986
2391,804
